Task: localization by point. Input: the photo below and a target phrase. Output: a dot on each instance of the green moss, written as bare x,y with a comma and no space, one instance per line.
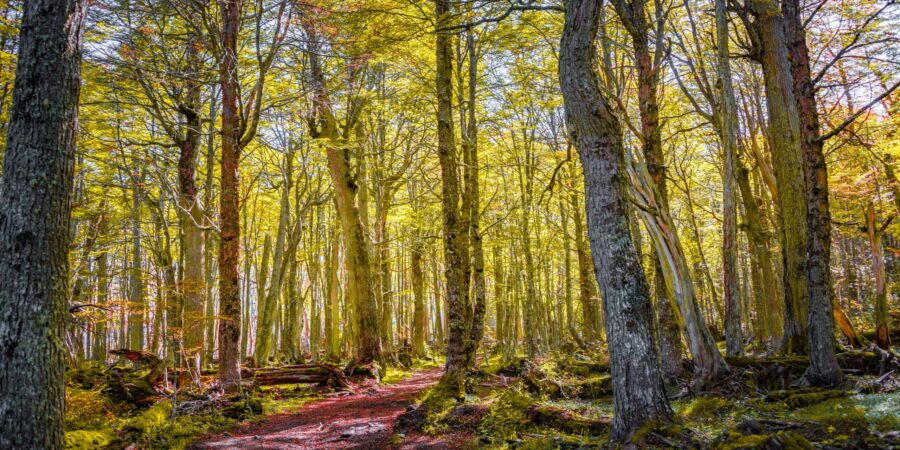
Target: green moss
393,375
786,440
798,398
152,419
737,441
90,409
88,439
706,407
507,415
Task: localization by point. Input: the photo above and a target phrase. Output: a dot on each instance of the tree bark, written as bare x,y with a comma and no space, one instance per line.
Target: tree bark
456,260
637,381
36,196
229,202
728,118
784,133
823,367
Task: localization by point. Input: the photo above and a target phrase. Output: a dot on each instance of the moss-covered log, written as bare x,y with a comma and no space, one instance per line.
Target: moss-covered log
567,421
798,398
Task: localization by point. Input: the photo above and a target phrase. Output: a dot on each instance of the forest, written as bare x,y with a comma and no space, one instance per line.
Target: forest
449,224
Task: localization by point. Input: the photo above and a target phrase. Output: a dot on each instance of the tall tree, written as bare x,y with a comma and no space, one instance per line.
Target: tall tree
35,202
729,130
638,393
456,260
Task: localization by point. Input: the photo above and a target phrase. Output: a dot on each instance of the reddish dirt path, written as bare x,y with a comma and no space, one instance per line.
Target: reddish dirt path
361,421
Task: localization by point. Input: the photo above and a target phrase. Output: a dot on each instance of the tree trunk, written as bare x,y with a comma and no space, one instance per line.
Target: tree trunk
35,202
728,117
472,199
823,367
882,320
229,202
637,381
587,288
135,273
192,218
784,133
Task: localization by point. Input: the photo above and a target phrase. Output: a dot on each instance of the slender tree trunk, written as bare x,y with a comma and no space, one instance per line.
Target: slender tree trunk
638,390
420,324
456,260
474,203
587,288
192,218
136,304
761,255
100,332
728,117
35,206
874,231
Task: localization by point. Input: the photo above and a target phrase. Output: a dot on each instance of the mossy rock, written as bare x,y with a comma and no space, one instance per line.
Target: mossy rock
88,439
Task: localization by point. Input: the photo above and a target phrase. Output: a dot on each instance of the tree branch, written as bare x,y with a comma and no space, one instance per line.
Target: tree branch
834,131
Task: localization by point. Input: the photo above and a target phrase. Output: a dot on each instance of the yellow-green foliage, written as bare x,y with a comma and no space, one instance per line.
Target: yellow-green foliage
706,407
88,439
508,415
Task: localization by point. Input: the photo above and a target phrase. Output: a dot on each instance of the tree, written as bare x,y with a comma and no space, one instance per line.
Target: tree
728,117
35,202
456,258
637,381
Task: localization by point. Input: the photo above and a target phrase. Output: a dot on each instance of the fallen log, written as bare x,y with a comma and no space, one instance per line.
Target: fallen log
321,374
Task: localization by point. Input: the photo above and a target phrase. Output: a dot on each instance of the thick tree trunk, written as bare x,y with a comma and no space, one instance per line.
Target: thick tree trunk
35,202
823,367
784,133
637,381
367,337
229,203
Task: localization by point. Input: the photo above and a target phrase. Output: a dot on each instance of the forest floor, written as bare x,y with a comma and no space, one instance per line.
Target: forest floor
363,420
562,400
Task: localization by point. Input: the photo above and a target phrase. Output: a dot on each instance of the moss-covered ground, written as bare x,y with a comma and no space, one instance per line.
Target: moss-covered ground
544,405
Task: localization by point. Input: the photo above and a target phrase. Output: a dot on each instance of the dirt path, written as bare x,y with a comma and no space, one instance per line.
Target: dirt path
361,421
